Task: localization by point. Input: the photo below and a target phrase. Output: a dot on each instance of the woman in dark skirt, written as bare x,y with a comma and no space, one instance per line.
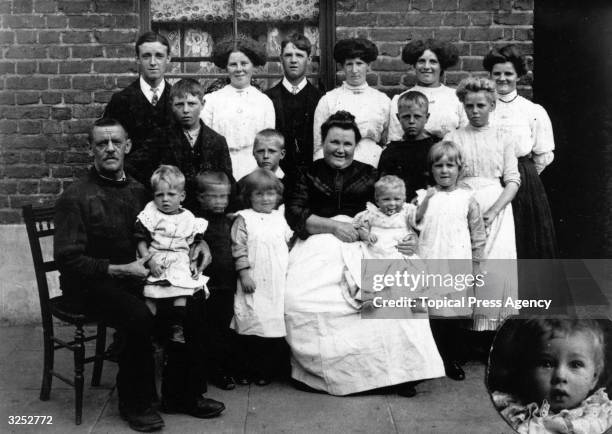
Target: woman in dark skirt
531,130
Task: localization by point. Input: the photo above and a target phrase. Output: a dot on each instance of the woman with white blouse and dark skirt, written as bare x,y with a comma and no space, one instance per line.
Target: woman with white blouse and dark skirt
369,106
238,111
430,59
529,127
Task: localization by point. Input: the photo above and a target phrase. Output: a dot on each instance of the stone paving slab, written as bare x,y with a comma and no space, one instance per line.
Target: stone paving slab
441,405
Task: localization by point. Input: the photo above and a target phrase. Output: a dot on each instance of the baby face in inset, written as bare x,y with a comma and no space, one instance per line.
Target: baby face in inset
566,369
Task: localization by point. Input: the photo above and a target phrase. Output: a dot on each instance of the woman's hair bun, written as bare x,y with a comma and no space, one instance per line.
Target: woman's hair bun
342,116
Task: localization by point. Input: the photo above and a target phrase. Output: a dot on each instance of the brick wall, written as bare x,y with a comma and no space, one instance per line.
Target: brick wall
61,61
474,26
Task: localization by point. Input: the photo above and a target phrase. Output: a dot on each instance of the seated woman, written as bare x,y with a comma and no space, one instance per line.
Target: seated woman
333,349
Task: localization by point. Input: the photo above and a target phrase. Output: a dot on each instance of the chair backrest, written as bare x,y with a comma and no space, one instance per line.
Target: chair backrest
39,224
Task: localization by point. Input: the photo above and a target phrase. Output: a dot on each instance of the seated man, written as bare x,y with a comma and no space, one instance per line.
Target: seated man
95,251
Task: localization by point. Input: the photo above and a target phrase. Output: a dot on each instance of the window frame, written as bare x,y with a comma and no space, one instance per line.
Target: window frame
327,40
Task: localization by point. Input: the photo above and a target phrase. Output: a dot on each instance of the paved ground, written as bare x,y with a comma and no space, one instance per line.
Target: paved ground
441,406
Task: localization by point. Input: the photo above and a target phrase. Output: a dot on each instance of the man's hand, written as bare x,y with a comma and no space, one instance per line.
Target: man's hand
199,257
247,283
134,269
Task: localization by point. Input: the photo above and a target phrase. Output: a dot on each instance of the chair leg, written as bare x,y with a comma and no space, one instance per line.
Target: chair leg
49,353
79,367
99,362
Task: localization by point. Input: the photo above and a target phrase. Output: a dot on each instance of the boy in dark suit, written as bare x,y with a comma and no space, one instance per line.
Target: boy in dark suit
295,101
192,146
144,106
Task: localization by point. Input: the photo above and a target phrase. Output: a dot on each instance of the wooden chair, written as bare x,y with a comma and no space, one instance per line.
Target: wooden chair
39,224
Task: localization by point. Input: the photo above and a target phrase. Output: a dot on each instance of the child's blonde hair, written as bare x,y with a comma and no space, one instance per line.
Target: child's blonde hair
259,179
270,134
171,175
475,85
413,97
446,149
388,182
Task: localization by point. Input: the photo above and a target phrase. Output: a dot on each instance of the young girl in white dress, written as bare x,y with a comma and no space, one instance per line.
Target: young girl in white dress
259,246
166,230
490,168
452,240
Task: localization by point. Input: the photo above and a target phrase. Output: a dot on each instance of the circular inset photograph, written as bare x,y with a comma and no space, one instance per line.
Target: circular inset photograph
553,375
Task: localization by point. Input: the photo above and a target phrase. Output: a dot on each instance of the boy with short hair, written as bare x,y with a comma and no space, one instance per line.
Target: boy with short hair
212,198
407,158
268,151
194,147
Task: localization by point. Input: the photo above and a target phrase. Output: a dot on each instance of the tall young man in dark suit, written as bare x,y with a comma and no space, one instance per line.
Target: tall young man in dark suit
144,106
295,100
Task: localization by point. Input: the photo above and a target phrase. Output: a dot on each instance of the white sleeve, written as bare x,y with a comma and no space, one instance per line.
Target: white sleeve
320,116
395,128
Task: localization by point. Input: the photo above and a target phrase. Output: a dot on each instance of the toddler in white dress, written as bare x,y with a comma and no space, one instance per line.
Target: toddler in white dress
165,231
381,228
260,236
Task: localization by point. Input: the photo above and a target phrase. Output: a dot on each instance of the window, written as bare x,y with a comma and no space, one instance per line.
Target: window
194,26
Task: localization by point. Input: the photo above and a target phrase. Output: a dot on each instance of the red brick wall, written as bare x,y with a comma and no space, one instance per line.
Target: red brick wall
62,59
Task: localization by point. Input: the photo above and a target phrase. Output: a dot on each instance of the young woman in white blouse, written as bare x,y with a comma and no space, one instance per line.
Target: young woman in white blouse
529,126
369,106
238,111
430,59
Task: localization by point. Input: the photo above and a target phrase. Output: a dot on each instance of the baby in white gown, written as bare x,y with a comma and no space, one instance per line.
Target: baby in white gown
383,226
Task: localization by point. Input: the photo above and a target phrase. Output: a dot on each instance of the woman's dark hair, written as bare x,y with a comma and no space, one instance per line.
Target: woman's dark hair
247,46
355,48
259,179
509,53
343,120
446,52
516,347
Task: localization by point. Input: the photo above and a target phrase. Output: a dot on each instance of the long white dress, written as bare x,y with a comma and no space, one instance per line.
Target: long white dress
333,348
171,236
446,112
266,236
239,114
371,110
452,234
488,158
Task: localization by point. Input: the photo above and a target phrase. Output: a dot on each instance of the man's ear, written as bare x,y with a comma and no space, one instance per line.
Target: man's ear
282,153
128,146
90,151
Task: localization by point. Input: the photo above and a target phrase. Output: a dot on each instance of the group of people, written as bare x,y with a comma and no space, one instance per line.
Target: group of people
182,229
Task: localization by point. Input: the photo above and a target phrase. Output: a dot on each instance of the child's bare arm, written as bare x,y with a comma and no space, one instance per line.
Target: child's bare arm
422,208
155,267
